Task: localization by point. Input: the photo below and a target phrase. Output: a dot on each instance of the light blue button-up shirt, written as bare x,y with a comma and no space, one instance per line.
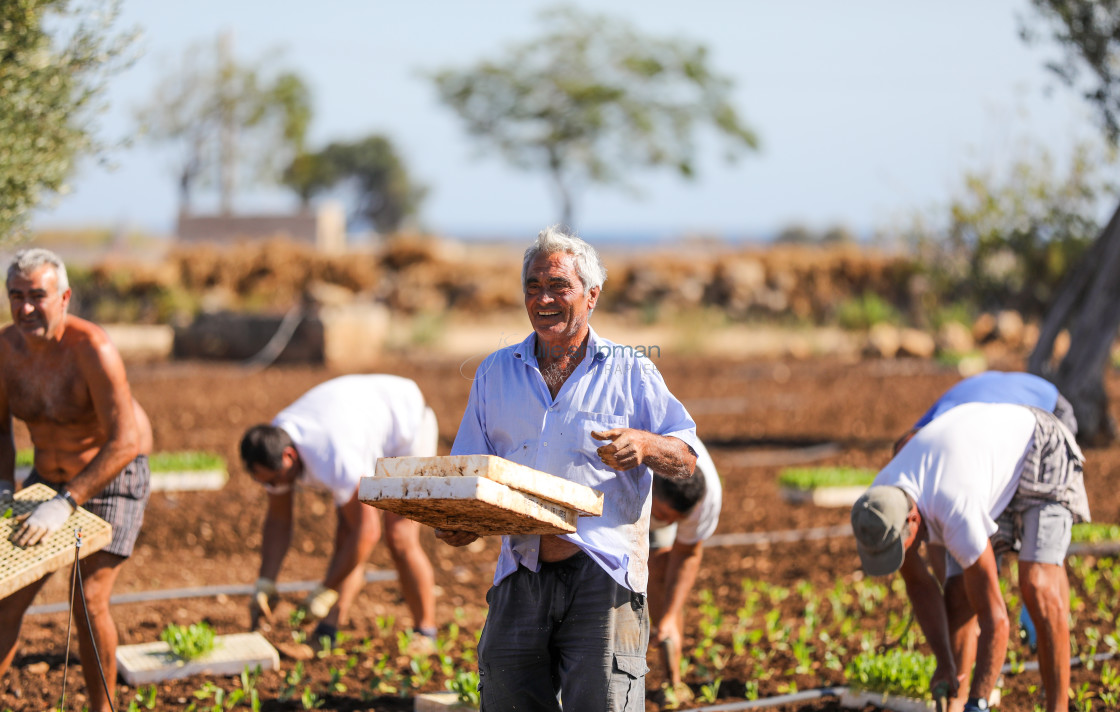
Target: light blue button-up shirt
511,414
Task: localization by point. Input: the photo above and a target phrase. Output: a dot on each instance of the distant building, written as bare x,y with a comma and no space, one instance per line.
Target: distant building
325,228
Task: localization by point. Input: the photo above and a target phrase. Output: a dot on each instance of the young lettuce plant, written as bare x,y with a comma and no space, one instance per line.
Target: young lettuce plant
189,642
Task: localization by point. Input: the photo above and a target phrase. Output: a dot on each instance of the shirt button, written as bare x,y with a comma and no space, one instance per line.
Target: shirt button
546,444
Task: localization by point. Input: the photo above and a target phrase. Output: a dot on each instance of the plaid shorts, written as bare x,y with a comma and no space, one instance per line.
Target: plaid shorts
121,503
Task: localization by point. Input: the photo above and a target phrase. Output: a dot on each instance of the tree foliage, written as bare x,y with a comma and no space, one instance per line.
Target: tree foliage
370,170
1088,33
227,119
592,100
55,59
1008,240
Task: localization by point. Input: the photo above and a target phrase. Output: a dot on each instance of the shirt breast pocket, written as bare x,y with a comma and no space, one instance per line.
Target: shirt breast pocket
586,423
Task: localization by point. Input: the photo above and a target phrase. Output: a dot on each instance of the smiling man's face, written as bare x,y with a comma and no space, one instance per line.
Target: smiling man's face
557,303
38,308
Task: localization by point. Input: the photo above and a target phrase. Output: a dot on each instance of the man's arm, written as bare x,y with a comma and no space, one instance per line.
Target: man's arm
666,455
276,535
981,585
680,575
928,606
358,524
103,370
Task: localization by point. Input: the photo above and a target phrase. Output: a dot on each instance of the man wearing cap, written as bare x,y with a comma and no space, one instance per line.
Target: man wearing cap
685,513
980,480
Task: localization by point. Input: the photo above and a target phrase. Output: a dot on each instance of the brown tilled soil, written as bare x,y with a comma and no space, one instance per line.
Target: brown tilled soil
753,415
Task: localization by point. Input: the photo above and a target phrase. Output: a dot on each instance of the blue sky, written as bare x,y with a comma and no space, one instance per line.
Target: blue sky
867,110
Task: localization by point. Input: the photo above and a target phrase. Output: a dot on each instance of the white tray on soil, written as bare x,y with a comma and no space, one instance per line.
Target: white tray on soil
823,496
441,702
146,663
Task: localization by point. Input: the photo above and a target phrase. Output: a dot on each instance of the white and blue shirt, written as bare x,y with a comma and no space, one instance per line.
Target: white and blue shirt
511,414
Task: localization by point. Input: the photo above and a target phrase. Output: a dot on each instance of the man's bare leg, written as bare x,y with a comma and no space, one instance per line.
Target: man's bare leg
413,568
12,609
1045,589
99,573
964,630
370,529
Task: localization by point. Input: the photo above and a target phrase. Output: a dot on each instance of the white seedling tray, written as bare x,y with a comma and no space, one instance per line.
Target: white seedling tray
171,480
481,494
146,663
440,702
189,480
823,496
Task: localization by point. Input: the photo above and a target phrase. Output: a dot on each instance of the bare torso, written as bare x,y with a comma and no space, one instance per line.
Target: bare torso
47,390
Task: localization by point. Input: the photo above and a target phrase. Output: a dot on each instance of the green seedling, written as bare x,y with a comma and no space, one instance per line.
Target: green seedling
185,461
465,686
808,478
189,642
897,672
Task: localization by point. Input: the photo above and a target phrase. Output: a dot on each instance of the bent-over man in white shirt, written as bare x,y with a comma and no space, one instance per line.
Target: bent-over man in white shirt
329,439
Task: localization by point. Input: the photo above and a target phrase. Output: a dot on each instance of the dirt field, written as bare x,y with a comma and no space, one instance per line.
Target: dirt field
754,416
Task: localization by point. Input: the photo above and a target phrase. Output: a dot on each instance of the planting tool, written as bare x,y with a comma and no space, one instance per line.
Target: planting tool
941,695
672,658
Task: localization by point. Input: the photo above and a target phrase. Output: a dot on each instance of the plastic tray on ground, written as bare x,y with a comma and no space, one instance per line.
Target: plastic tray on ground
171,480
823,496
482,494
146,663
440,702
21,566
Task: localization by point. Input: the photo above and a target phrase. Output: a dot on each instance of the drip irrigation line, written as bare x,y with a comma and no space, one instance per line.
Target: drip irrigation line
207,592
778,537
1074,662
792,698
279,341
775,458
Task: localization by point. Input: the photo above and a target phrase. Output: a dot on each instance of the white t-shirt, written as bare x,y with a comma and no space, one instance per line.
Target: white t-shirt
342,426
962,470
701,522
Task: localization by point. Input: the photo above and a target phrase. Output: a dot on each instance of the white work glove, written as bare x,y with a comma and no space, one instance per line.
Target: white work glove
43,521
319,602
263,599
6,490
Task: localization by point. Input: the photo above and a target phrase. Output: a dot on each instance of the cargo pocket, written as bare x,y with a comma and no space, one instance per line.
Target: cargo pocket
627,689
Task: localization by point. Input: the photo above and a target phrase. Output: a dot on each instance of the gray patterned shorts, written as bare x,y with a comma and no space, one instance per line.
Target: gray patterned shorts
121,503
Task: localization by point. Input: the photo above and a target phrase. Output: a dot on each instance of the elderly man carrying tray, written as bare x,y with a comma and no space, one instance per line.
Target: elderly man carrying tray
568,618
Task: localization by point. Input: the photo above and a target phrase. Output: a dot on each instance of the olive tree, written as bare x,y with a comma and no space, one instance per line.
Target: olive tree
592,100
1088,34
55,59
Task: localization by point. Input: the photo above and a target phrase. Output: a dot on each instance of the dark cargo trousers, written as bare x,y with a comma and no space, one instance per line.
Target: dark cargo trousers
566,638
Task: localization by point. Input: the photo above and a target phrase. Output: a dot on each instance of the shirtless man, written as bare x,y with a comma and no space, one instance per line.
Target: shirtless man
65,380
